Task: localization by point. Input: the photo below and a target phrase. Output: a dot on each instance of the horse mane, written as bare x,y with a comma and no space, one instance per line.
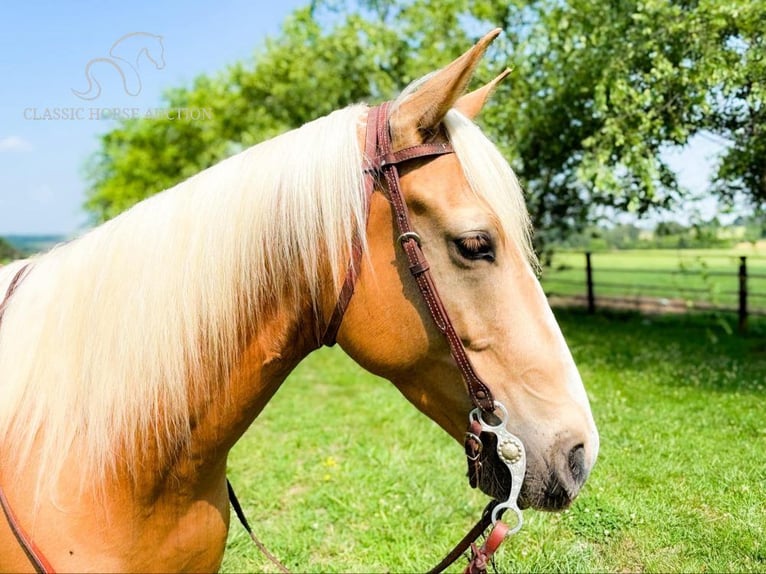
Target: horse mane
115,336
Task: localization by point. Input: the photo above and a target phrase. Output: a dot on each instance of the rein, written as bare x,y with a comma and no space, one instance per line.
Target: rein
382,164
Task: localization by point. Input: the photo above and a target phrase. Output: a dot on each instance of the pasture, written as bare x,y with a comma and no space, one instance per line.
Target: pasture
341,474
693,276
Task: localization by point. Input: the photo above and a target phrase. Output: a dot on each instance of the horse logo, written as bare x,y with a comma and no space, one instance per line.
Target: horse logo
124,56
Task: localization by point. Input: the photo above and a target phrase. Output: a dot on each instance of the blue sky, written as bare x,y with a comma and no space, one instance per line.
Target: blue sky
45,47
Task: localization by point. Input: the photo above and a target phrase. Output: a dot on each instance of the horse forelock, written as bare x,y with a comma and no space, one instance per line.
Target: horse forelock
488,173
493,180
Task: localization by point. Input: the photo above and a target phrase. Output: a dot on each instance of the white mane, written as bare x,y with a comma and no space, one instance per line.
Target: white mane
107,340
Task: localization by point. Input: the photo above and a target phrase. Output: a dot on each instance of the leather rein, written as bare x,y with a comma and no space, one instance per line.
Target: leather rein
382,165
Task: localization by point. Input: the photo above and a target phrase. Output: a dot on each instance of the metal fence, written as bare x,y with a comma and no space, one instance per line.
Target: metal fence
655,281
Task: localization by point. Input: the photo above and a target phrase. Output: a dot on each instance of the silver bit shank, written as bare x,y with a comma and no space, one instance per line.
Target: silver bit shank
510,450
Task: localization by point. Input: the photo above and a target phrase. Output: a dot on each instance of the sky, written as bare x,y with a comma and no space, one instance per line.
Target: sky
48,52
45,48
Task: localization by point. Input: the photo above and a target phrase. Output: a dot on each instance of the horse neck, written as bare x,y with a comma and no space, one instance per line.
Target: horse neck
270,351
148,507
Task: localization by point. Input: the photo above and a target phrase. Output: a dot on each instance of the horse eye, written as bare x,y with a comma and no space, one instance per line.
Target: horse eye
474,247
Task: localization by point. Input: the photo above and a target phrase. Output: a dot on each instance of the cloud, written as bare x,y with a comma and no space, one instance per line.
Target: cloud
14,143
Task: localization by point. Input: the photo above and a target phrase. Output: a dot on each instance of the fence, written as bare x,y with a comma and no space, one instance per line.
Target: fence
700,280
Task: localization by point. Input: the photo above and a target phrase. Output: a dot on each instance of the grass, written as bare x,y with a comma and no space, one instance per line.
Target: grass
341,474
693,275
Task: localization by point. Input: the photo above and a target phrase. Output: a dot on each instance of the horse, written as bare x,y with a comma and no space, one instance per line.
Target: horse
134,357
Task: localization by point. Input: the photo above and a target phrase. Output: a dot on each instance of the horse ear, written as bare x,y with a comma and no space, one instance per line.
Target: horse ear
419,115
471,104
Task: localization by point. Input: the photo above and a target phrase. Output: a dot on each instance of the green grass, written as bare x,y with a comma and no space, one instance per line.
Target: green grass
692,275
341,474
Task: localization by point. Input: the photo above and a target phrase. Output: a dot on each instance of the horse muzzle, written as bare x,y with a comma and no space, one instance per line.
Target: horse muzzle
550,483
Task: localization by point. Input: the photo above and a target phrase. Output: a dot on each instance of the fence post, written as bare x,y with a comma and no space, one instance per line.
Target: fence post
742,294
589,279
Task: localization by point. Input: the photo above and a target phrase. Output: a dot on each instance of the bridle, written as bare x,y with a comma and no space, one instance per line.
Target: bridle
382,164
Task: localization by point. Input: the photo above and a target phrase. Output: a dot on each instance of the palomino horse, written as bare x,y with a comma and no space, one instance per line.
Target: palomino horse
132,359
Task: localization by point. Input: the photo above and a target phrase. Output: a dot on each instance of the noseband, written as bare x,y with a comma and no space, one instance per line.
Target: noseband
382,164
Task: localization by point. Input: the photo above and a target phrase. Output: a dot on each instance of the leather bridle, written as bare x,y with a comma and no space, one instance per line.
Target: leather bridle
382,165
383,162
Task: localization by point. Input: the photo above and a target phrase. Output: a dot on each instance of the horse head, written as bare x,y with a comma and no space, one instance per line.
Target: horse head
467,209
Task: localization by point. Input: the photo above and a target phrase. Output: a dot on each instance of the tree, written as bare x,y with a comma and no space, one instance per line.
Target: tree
669,228
737,71
304,73
599,91
8,251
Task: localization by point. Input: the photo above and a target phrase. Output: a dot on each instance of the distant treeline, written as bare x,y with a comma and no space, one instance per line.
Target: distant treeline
16,246
666,235
8,251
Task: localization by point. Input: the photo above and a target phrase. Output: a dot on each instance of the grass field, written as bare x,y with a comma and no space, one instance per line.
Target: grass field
691,275
341,474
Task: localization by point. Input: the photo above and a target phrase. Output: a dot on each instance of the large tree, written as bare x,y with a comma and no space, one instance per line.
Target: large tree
600,90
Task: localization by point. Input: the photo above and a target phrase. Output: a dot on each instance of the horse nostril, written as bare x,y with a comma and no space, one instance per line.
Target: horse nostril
577,468
566,476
